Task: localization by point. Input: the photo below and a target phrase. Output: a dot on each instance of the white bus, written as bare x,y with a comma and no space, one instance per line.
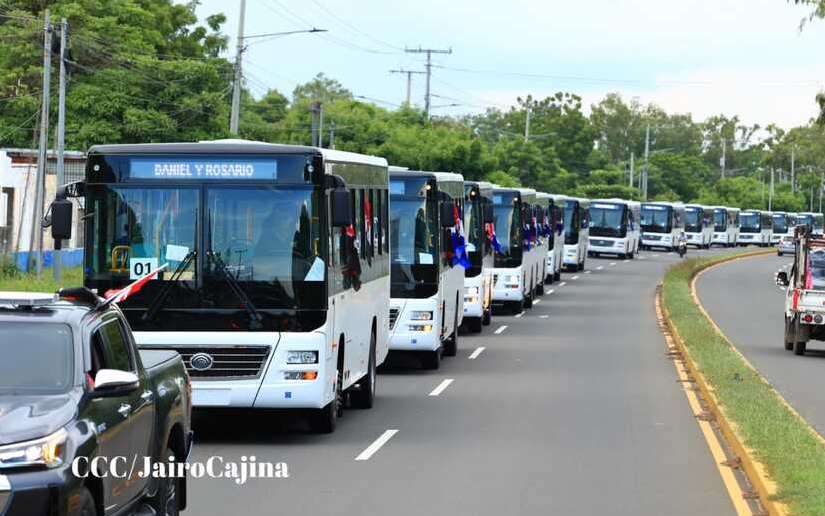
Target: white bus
725,226
755,227
813,220
614,227
271,263
514,275
783,225
478,278
662,224
535,262
699,225
576,232
427,292
553,229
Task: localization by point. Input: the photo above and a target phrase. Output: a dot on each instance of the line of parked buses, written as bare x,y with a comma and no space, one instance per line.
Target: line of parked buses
284,275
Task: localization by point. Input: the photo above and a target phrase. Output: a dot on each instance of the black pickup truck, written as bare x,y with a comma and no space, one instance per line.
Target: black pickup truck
82,412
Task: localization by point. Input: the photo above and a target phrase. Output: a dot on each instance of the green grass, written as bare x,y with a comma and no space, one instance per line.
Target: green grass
795,458
72,277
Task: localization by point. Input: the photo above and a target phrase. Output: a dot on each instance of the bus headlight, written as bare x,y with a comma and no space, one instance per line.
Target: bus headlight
302,357
421,327
420,315
471,295
47,451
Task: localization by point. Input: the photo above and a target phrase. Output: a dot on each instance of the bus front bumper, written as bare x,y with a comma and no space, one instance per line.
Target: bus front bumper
507,286
410,327
601,245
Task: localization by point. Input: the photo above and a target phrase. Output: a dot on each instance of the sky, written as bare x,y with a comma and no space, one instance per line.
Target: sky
704,57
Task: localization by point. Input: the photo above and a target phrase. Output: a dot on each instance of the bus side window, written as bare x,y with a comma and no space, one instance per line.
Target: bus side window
379,223
385,220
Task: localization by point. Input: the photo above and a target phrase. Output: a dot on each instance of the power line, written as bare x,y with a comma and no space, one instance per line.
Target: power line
354,28
429,68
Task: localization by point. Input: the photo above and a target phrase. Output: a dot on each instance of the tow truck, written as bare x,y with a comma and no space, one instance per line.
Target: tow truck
804,287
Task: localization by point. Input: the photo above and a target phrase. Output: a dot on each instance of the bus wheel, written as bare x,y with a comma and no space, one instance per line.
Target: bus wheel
474,324
431,359
487,318
540,289
557,275
325,420
364,396
631,255
451,344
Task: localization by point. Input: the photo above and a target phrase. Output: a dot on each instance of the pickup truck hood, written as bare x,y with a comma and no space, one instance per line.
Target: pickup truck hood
23,418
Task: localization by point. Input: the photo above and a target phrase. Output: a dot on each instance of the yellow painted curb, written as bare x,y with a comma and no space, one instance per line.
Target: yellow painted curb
757,473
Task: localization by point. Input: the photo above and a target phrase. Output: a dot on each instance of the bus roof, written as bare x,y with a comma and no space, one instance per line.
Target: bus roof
236,146
665,203
438,176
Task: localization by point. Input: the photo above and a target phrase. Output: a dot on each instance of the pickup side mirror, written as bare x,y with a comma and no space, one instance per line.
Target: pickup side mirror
61,219
446,215
113,382
341,208
782,279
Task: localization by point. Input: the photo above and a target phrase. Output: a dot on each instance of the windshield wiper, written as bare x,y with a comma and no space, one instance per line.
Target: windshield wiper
153,307
254,316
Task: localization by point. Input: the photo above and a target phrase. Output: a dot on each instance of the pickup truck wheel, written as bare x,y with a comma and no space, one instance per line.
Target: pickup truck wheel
166,501
87,503
789,335
364,398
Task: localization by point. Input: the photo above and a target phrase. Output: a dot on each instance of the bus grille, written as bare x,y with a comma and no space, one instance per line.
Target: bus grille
393,317
226,361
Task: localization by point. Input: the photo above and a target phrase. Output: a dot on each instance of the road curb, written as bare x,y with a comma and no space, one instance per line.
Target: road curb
756,472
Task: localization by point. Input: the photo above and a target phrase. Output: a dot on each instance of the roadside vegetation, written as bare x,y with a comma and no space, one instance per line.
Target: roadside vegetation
793,455
11,279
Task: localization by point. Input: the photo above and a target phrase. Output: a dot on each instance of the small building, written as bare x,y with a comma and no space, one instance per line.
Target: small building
18,174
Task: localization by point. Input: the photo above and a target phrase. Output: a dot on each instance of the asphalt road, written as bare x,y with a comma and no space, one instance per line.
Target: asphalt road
571,409
747,305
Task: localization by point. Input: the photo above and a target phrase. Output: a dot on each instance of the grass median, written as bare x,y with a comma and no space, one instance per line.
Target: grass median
792,454
24,282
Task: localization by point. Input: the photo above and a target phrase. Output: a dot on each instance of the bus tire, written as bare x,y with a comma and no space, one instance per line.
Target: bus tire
474,324
364,397
557,275
581,265
451,344
540,288
631,255
487,318
431,360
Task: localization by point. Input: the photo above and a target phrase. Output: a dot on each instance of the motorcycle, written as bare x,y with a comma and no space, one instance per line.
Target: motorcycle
682,249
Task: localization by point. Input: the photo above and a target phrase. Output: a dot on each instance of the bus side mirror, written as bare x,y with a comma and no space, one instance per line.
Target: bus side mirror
782,279
447,216
61,220
341,208
488,214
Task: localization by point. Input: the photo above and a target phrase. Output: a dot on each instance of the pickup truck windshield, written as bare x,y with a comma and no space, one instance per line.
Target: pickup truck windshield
37,359
656,219
607,220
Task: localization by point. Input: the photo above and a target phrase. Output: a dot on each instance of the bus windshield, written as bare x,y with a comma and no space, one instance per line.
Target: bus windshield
414,244
750,223
693,220
607,220
507,221
780,223
474,230
656,219
720,220
571,222
265,238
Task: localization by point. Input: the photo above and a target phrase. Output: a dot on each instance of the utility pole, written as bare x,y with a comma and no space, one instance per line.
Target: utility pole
234,118
61,131
632,157
409,74
317,123
770,193
429,72
820,192
722,160
645,169
793,169
527,124
331,144
36,240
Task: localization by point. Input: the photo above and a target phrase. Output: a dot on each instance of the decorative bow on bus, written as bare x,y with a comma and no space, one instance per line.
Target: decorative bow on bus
529,237
546,230
490,229
459,242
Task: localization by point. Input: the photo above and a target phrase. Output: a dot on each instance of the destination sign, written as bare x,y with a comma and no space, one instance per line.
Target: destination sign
203,168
